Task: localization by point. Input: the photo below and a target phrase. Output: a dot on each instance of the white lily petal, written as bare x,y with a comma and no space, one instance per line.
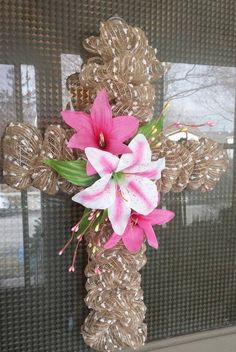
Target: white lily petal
142,192
119,213
141,153
124,192
103,162
151,170
98,196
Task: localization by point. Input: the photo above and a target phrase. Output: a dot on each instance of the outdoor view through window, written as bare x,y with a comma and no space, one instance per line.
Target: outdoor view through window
197,94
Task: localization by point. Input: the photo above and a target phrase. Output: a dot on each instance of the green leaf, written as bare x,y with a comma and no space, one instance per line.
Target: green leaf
84,222
73,171
100,219
153,128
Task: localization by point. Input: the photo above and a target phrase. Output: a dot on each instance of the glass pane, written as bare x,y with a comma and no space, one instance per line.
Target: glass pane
7,96
70,64
28,90
21,237
197,94
35,236
11,238
201,93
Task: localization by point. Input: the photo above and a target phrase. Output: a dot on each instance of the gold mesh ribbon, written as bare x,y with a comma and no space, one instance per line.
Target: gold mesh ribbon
24,150
210,163
196,164
114,296
123,63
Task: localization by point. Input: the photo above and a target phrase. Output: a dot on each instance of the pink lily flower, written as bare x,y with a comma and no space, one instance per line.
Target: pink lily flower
139,227
125,183
99,129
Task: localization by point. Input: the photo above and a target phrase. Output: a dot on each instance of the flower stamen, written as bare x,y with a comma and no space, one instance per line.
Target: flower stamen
102,142
123,197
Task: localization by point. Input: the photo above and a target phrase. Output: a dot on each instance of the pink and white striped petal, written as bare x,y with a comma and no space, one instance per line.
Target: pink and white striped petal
142,193
119,213
90,169
99,196
103,162
151,170
141,153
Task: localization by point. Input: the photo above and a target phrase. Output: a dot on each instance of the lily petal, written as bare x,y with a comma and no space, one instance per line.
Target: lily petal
151,170
112,241
133,237
119,213
142,192
150,234
78,120
124,127
117,147
160,216
90,169
82,140
103,162
99,196
101,113
141,153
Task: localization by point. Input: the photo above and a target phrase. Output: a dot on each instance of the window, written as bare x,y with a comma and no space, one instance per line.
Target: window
189,283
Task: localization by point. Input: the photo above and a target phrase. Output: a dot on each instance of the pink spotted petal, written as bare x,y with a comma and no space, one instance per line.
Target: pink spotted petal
160,216
103,162
124,127
78,120
150,234
90,169
142,192
141,153
133,238
82,140
112,241
98,196
116,147
101,113
119,213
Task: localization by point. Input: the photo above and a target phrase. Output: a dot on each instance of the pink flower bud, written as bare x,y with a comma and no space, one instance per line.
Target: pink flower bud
71,269
75,228
178,124
210,123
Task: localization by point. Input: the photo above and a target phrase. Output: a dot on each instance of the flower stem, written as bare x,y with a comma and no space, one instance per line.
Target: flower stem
67,244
